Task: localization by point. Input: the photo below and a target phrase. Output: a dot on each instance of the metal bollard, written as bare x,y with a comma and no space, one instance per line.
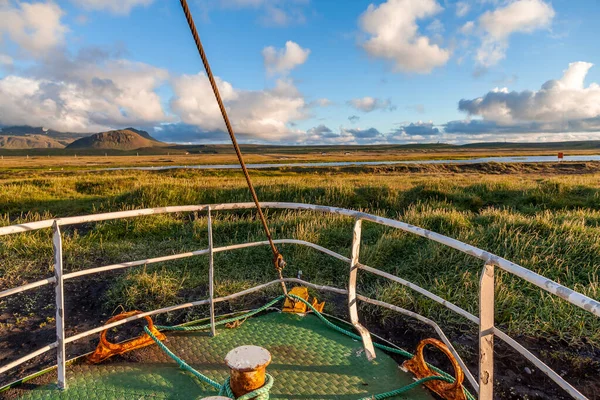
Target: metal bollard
247,368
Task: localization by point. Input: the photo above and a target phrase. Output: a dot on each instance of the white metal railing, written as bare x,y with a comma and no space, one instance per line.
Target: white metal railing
485,321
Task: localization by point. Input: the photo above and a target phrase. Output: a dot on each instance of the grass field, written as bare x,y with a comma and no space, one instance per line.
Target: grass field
68,159
543,218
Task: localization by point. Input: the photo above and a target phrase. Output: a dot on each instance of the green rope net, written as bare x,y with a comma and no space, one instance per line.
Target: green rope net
262,393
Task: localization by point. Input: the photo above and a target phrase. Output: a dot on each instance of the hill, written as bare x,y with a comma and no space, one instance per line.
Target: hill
124,139
30,142
32,130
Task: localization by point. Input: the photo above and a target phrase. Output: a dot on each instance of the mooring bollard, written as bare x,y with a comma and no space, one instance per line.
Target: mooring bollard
216,398
247,368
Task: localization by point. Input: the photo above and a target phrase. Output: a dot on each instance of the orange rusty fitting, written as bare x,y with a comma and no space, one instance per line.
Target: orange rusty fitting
216,398
107,349
247,368
418,366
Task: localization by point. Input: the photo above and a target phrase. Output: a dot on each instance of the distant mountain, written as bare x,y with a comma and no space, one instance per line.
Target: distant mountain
25,141
32,130
124,139
141,133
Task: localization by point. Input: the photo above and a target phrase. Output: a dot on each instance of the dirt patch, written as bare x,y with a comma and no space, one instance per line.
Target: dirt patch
23,331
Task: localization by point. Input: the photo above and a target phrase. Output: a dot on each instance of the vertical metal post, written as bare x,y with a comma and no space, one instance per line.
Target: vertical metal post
211,275
60,307
486,333
364,333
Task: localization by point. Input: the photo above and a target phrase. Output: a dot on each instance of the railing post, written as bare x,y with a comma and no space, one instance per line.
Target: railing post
211,275
352,306
60,307
486,333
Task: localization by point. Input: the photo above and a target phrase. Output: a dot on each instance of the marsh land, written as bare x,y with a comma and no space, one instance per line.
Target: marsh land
545,217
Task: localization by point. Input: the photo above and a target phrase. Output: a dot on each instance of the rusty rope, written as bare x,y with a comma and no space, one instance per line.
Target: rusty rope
277,257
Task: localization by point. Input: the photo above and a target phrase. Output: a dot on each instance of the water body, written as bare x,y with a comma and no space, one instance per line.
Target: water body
526,159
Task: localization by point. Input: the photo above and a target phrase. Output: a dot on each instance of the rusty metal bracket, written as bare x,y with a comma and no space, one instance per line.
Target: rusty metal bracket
299,307
107,349
418,366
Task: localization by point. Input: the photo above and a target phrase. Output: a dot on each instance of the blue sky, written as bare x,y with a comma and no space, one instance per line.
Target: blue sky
306,71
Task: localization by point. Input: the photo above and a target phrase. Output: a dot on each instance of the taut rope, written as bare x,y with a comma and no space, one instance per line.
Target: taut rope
277,257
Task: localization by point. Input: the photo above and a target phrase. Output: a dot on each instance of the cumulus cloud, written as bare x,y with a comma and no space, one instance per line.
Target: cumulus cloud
495,27
5,60
33,27
264,114
419,129
360,134
557,100
562,105
74,95
282,61
322,102
320,131
462,8
394,35
322,134
179,132
368,104
120,7
467,28
476,126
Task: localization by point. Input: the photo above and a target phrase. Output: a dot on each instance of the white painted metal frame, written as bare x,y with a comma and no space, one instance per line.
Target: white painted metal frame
486,332
485,322
352,303
211,274
61,358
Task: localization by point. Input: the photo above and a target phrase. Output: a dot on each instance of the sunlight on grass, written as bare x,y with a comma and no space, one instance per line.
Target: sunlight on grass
549,224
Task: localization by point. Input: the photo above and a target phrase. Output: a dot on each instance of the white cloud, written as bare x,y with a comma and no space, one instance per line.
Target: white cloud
120,7
369,134
468,27
524,16
262,114
393,30
84,97
462,8
284,60
322,102
322,134
34,27
368,104
419,129
5,60
563,105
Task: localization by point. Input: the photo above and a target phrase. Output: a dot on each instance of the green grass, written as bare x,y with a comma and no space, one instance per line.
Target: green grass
549,224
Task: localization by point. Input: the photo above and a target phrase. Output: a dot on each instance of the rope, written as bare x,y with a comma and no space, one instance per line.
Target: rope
277,257
444,376
406,388
182,364
261,393
222,322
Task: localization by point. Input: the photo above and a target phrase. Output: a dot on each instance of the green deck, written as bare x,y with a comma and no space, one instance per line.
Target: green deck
309,361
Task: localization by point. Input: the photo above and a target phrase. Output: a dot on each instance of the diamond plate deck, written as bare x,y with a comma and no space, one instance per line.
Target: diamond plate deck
310,361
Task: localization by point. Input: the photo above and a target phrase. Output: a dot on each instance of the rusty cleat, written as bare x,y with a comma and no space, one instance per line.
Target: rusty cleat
107,349
418,366
299,307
